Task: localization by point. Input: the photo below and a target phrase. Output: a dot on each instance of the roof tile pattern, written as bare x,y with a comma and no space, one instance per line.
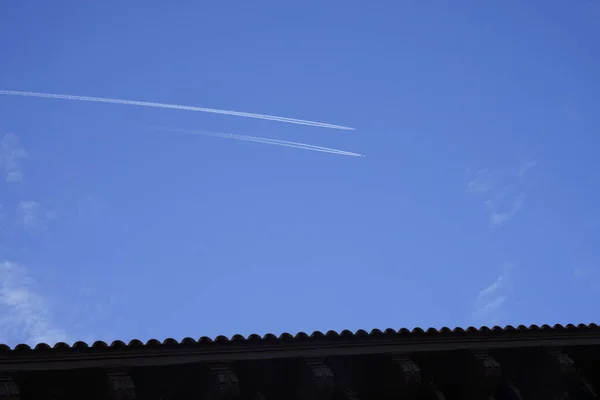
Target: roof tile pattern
301,337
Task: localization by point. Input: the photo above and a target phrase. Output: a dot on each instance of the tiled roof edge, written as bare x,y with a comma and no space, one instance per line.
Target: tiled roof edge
301,337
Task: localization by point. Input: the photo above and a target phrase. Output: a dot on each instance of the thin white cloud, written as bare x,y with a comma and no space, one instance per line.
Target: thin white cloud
526,167
11,153
492,306
14,176
490,290
498,218
491,299
31,214
25,314
497,192
481,182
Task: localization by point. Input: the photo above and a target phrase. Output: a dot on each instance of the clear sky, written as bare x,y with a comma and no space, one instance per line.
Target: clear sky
477,202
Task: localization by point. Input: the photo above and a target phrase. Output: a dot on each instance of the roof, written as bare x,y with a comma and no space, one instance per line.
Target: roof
374,364
349,342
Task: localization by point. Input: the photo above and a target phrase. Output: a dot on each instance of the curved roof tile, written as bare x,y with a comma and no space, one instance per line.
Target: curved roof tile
304,337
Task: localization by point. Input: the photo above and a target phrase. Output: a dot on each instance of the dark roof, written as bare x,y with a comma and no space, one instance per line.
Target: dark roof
318,338
444,363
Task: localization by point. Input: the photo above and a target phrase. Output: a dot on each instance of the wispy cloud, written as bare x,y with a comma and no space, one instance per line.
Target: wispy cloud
32,215
498,217
174,107
25,314
28,212
480,182
11,154
526,167
491,299
498,192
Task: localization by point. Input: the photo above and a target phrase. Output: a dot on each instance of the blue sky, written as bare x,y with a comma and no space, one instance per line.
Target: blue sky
476,203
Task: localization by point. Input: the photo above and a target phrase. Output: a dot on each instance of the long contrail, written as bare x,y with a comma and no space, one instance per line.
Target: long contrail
175,107
256,139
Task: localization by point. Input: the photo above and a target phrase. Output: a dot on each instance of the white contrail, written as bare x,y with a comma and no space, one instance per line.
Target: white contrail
256,139
174,106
